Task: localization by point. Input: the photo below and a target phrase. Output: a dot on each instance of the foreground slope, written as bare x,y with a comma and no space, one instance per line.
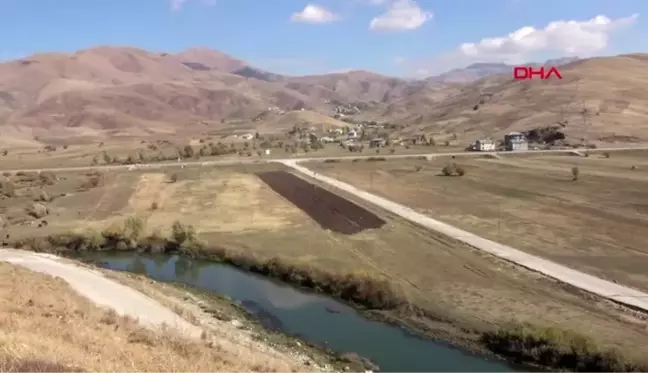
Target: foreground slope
47,326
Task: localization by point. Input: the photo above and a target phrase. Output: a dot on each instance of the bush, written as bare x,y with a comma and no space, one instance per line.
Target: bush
47,178
154,206
555,348
44,196
452,169
606,155
173,177
133,228
7,188
94,180
575,173
37,210
448,170
182,234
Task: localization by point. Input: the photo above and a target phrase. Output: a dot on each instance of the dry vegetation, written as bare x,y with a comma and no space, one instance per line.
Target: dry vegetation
403,272
586,212
196,90
47,327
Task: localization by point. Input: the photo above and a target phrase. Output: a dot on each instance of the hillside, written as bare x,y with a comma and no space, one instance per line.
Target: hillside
107,91
598,99
122,91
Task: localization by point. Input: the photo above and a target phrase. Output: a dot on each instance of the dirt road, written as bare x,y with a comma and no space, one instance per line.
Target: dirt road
102,290
618,293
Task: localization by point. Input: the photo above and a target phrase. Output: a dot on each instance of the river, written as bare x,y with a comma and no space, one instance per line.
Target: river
312,317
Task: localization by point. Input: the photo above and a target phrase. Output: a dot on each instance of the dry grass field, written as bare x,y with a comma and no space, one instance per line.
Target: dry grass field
204,148
595,224
231,207
48,327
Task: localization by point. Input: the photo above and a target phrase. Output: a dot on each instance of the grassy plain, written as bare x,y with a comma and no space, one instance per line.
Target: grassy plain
48,327
231,207
595,224
166,150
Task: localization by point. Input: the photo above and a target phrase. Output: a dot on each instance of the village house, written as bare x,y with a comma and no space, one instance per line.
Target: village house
516,141
377,143
247,136
484,145
353,134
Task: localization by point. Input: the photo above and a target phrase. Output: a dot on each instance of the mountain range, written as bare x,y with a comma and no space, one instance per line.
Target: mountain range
122,91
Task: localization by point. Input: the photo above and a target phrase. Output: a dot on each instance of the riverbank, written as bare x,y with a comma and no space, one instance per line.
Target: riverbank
50,326
220,314
377,298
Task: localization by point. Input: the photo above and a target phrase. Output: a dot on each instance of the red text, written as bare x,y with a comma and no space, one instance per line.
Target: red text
528,72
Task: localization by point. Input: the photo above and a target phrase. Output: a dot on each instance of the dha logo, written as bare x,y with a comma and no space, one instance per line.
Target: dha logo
528,73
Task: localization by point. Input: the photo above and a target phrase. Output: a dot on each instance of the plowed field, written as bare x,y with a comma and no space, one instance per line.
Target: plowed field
329,210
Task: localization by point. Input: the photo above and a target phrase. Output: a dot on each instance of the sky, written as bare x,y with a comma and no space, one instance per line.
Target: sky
407,38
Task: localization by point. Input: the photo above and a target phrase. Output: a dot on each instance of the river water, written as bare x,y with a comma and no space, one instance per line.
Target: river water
312,317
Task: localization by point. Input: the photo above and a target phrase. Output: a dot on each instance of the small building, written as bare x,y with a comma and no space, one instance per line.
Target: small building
377,143
516,141
352,134
247,136
484,145
326,139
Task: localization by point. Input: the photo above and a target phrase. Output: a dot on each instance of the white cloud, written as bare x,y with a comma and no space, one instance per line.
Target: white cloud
401,15
177,4
399,60
580,38
565,38
314,14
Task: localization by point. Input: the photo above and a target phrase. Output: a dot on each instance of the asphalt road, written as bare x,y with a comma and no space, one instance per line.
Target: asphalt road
607,289
103,291
228,162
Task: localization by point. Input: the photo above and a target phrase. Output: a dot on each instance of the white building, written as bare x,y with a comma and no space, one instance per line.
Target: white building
353,134
485,145
247,136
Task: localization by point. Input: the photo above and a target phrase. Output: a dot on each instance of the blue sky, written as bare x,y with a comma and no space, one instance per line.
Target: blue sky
395,37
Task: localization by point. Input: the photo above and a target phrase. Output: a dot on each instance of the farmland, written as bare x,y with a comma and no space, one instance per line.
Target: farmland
261,211
341,216
205,147
593,224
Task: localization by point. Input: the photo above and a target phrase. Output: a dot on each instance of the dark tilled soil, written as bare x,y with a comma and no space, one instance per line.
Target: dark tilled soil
327,209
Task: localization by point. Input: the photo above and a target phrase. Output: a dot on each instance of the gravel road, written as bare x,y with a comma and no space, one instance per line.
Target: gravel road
102,290
607,289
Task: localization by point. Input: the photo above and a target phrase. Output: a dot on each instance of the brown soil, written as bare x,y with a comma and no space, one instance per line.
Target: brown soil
327,209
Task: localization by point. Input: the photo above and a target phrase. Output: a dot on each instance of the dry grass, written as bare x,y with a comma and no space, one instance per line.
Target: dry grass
461,288
593,224
46,326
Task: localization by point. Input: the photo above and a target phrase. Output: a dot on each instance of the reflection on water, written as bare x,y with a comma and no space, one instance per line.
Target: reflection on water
313,317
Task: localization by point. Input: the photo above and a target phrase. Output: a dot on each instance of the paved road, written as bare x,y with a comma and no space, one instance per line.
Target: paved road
229,162
102,290
610,290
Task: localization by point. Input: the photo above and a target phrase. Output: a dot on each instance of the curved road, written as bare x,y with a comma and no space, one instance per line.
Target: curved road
103,291
607,289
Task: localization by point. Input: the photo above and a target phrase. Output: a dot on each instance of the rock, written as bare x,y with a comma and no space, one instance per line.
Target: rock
236,323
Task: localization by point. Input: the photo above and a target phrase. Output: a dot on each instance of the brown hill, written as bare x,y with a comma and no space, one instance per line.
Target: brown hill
598,99
121,90
106,91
